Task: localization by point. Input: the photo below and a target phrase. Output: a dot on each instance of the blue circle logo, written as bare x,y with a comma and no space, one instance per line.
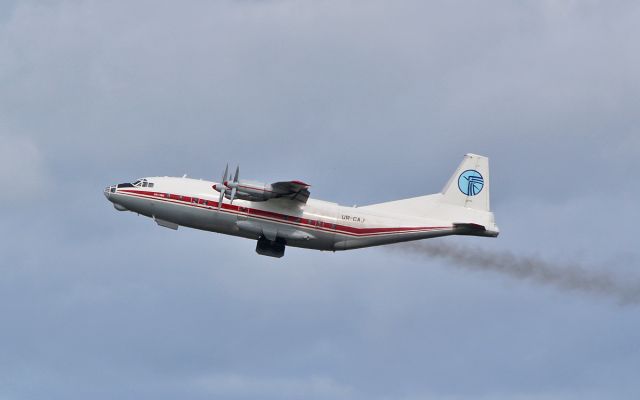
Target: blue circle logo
470,182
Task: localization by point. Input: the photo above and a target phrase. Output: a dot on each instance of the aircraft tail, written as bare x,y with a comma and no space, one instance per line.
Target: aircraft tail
464,200
469,185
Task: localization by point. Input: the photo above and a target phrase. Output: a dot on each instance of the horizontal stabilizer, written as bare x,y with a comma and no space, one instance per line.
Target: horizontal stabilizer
472,229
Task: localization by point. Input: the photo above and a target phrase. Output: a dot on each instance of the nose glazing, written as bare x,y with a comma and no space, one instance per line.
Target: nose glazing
108,190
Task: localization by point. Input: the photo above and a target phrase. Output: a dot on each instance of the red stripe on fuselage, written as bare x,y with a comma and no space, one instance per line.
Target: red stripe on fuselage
277,217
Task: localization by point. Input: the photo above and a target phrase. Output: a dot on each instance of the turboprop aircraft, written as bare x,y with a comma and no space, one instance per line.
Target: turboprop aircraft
282,214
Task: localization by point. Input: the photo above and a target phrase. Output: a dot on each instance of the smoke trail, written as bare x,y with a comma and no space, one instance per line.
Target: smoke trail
562,276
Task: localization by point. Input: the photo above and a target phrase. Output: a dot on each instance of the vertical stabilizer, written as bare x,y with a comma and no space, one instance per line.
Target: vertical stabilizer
469,185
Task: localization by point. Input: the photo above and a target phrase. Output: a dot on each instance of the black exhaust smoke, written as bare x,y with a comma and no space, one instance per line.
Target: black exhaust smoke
570,277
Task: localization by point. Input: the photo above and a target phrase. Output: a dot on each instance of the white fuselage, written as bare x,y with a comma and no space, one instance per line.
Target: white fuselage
317,224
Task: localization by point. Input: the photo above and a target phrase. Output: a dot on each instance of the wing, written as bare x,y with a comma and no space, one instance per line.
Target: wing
294,190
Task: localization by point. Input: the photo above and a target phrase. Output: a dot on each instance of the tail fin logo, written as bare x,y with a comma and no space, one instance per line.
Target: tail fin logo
470,182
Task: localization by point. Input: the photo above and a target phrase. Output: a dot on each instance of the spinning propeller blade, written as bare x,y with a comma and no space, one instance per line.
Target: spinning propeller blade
223,187
233,195
234,185
226,185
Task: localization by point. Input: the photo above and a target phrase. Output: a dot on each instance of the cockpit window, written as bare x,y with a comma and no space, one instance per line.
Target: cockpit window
142,183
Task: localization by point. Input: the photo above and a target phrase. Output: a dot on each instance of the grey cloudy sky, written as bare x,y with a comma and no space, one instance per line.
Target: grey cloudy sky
368,101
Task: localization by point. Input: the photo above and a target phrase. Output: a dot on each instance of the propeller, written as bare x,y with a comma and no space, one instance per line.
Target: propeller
221,187
234,185
226,185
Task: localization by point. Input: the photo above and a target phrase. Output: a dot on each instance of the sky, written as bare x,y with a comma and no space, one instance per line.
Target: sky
368,101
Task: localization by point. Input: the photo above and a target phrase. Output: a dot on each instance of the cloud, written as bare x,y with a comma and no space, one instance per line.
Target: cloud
368,101
569,277
309,79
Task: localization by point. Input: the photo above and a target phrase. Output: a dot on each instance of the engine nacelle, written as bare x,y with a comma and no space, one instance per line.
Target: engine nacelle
248,190
258,191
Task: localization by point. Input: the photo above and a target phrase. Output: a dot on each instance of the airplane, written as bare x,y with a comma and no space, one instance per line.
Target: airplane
281,214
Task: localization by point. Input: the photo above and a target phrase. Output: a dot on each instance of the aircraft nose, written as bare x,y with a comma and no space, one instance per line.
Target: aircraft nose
108,190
